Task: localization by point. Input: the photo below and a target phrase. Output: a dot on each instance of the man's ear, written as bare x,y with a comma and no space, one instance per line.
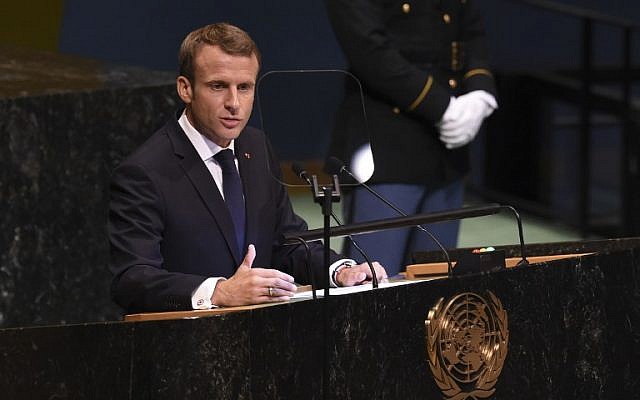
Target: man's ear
184,88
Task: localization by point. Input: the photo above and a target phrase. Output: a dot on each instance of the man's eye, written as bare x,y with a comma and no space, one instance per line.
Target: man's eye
244,88
217,86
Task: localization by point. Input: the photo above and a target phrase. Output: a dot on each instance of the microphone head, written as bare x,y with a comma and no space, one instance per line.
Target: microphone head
298,169
334,166
300,172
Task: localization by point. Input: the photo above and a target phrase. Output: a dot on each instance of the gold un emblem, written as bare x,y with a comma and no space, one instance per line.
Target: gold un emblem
467,340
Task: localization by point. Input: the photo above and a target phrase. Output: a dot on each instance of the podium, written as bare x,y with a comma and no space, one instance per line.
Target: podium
573,333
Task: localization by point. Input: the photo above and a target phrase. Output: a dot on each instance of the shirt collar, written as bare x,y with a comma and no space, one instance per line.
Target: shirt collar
203,145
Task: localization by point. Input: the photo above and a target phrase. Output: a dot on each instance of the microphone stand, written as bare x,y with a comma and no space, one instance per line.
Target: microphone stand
523,256
302,174
325,196
335,164
312,280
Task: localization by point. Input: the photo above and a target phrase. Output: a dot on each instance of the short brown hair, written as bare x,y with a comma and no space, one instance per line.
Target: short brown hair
231,39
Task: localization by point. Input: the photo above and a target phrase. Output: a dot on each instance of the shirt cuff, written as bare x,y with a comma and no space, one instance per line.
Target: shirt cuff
201,297
336,265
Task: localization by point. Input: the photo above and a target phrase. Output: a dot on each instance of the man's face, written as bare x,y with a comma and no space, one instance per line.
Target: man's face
220,97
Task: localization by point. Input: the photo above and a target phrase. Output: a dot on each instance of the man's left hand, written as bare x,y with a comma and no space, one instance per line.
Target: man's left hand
360,274
464,116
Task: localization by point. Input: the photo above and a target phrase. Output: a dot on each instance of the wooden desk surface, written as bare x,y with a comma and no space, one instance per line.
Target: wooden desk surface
199,313
417,271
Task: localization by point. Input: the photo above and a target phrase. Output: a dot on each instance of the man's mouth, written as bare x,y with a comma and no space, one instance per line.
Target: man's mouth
230,123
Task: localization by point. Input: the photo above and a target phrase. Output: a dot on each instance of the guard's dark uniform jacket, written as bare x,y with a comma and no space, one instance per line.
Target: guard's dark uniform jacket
410,56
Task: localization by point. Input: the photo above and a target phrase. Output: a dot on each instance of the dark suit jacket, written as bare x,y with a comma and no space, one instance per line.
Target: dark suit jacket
410,57
169,227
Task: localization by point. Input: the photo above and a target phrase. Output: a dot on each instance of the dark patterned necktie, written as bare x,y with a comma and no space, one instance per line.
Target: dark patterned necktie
232,189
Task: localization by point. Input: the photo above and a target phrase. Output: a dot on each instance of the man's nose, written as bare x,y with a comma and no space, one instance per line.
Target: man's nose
231,102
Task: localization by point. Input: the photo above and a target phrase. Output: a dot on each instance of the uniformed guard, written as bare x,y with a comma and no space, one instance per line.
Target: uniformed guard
427,88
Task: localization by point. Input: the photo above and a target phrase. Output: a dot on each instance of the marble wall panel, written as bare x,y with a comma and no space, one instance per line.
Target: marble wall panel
56,155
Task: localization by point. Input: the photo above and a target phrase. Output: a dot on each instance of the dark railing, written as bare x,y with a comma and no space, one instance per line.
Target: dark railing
581,92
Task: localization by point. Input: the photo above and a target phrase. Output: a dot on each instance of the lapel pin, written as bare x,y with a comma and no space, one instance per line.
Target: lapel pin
247,155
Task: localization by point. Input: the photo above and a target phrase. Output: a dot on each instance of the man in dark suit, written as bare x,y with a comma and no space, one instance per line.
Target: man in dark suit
195,209
427,89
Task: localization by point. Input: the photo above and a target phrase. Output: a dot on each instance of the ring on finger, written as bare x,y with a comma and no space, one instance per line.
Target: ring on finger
270,291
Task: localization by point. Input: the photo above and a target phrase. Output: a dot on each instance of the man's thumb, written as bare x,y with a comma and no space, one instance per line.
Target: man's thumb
247,262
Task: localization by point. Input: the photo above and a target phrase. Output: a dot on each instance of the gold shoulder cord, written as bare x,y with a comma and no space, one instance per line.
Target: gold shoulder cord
422,95
477,71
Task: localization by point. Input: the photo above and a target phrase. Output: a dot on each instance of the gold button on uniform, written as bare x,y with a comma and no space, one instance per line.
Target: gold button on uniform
406,8
446,18
453,83
396,110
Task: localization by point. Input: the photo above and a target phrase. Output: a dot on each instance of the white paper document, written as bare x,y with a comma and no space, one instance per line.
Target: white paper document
355,289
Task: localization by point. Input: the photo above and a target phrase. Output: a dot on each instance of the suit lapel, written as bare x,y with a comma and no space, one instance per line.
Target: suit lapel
206,187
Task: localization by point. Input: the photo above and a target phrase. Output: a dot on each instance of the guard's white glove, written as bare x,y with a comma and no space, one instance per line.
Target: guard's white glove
463,117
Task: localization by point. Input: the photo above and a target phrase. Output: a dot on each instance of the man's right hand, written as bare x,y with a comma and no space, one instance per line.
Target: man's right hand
251,285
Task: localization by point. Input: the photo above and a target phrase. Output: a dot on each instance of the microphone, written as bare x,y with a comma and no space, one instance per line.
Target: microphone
374,276
335,166
302,174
